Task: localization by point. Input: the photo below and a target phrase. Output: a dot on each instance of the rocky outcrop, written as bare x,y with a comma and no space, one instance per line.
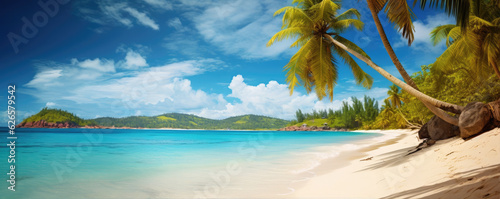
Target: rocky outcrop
295,128
311,128
45,124
423,132
473,119
438,129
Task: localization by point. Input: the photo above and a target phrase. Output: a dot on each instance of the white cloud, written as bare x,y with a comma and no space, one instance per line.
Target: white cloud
103,65
152,90
177,24
142,18
423,28
162,89
112,12
46,77
50,104
273,99
133,60
160,4
20,116
242,27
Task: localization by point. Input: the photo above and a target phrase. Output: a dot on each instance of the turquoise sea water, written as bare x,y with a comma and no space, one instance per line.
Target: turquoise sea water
130,163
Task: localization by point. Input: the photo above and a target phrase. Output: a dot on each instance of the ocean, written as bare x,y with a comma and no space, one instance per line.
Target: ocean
140,163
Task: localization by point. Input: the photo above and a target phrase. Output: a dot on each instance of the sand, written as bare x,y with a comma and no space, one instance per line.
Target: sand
451,168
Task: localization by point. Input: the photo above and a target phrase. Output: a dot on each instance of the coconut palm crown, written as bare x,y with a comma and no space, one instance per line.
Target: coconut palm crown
315,63
481,41
394,96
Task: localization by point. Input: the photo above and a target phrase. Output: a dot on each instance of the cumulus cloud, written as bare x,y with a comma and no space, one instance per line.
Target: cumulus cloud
96,87
97,64
152,90
271,99
133,60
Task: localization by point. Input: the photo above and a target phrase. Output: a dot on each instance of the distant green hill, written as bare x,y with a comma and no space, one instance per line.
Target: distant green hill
178,120
169,120
56,116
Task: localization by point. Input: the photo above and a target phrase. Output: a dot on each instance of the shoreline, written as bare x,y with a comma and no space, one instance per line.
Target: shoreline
347,152
384,169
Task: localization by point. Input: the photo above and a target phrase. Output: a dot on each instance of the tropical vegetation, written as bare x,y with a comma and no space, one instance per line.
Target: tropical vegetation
58,116
350,116
312,22
170,120
186,121
456,86
479,46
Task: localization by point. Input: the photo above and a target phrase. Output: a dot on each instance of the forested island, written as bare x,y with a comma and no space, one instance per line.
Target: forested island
56,118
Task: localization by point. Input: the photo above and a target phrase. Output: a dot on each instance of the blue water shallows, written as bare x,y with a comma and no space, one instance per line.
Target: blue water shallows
132,163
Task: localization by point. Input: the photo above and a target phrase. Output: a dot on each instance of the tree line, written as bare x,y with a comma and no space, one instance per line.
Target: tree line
350,115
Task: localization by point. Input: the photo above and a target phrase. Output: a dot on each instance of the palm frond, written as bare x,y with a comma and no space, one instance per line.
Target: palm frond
286,34
400,14
322,67
342,25
454,35
293,16
478,22
458,8
303,3
378,4
301,41
360,76
441,32
349,14
295,65
492,47
351,45
324,10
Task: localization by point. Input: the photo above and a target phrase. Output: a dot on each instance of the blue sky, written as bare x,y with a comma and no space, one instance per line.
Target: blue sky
208,58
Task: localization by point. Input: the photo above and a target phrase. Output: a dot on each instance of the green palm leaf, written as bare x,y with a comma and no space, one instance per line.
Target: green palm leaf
314,65
441,32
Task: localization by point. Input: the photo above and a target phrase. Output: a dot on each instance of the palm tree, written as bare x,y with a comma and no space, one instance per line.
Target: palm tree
386,113
394,96
313,23
399,13
314,64
482,41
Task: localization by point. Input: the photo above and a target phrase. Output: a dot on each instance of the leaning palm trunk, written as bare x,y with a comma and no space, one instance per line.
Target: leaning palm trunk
419,95
454,109
388,47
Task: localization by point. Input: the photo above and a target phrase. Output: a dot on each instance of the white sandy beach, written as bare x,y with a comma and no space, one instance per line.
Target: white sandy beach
451,168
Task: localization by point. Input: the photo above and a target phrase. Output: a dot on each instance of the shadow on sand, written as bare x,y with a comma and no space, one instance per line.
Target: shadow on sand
476,183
